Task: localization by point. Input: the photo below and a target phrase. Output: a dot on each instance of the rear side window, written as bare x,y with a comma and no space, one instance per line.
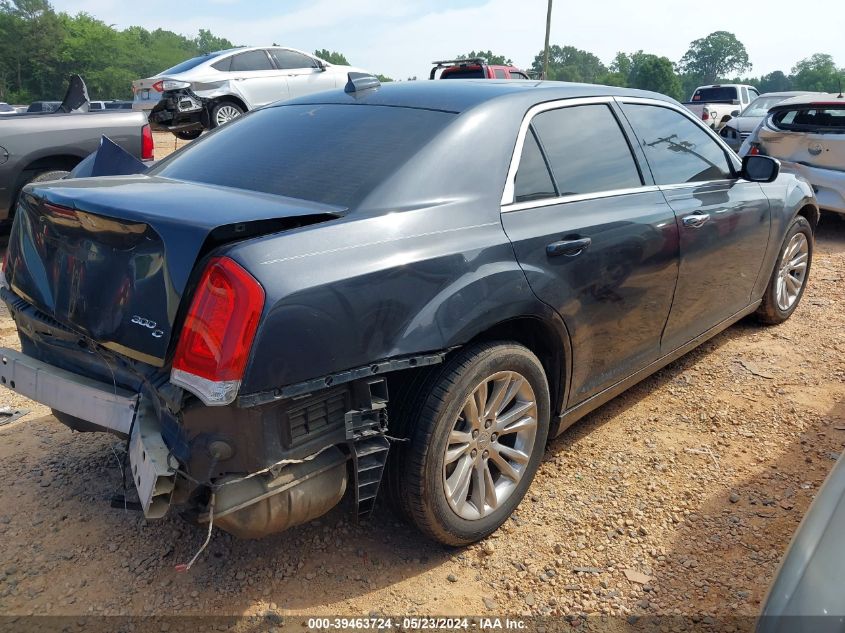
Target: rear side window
291,59
189,63
818,119
586,150
533,180
251,60
331,153
500,73
677,149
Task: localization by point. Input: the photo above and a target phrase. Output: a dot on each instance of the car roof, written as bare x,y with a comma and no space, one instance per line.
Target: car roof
246,49
459,95
812,98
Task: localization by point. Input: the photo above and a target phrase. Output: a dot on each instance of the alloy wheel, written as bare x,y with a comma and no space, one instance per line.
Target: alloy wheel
490,445
226,113
792,272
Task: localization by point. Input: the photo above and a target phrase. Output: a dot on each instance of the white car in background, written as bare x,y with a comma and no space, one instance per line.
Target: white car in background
807,135
210,90
740,127
5,108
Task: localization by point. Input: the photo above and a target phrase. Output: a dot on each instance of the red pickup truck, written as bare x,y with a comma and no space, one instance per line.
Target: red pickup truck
475,68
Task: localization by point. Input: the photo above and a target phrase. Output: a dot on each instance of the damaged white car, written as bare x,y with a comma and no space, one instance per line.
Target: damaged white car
807,135
210,90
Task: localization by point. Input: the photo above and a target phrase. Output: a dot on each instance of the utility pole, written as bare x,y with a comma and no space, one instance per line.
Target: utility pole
548,30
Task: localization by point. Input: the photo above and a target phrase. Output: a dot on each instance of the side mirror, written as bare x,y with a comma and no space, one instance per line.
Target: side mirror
758,168
321,66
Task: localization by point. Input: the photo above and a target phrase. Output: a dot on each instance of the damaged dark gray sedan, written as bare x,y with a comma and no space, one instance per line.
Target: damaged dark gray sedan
413,285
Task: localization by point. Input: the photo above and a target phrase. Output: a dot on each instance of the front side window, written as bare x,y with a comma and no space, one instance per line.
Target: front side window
586,150
677,149
288,60
251,60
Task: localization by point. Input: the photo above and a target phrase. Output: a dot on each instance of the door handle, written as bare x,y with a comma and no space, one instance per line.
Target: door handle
570,248
696,220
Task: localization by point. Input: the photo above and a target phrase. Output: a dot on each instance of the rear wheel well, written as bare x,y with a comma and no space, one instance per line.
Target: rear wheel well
62,162
542,341
812,214
232,99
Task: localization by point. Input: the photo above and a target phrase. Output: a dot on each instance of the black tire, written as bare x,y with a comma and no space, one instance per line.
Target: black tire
770,312
187,135
418,471
220,105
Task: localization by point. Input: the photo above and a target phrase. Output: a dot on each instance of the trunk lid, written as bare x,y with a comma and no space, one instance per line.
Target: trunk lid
112,257
145,97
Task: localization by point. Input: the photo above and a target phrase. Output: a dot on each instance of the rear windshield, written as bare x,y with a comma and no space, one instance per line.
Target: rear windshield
761,105
330,153
191,63
470,72
819,119
715,95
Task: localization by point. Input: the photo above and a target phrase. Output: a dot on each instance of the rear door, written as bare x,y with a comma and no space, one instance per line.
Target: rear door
596,239
723,221
257,80
303,74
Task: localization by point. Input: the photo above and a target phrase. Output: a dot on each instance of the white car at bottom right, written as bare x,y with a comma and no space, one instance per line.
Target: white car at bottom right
807,134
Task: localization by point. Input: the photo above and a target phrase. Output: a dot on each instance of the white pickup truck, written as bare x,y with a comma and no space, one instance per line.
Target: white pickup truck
716,104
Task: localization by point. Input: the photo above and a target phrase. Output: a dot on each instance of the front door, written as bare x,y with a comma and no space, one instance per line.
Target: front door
258,82
303,74
597,242
723,221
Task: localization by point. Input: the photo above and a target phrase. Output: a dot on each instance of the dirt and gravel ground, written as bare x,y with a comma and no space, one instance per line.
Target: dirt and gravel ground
679,497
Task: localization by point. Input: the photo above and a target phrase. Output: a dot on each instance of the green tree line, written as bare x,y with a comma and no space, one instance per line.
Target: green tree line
40,48
718,57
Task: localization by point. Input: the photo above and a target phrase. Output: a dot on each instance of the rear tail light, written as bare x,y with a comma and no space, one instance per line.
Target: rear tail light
705,115
148,146
217,336
158,86
754,150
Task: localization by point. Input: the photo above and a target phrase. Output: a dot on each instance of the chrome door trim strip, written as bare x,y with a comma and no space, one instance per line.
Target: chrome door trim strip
547,202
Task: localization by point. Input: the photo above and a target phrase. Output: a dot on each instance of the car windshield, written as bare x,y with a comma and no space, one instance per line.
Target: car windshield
761,105
817,118
191,63
330,153
715,94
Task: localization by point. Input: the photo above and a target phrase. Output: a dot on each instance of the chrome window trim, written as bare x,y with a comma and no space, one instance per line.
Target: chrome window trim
697,183
547,202
510,183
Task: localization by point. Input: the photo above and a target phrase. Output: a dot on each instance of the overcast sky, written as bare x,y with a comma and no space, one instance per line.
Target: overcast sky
400,37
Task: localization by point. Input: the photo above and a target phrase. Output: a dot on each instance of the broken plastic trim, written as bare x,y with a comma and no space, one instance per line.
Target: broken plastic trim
310,386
